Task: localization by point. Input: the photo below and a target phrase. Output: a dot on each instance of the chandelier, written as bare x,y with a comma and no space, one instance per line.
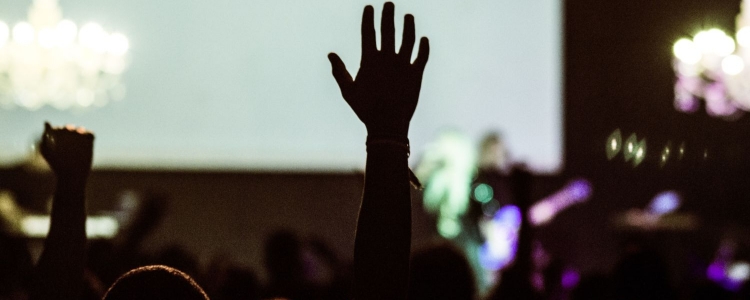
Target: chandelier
48,60
711,67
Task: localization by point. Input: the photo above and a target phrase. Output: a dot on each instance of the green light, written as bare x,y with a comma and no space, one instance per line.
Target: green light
483,193
448,228
630,148
614,144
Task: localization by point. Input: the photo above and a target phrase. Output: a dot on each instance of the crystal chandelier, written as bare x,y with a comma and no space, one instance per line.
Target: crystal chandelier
710,67
48,60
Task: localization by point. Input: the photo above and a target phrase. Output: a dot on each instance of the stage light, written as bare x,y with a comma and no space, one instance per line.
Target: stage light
37,226
545,210
665,202
501,238
686,51
630,147
739,271
483,193
665,154
732,65
614,144
640,153
448,228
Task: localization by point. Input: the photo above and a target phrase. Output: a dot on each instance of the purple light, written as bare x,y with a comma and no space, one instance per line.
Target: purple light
501,240
570,278
580,189
509,215
665,202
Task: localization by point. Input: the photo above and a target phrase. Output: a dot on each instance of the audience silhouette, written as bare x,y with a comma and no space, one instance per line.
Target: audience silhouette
383,94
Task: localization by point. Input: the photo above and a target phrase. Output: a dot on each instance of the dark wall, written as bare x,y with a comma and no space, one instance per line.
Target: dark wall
618,74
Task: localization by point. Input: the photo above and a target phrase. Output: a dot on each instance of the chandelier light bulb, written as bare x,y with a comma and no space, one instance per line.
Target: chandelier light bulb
66,32
118,44
743,37
686,51
54,61
724,46
47,38
94,37
732,65
23,33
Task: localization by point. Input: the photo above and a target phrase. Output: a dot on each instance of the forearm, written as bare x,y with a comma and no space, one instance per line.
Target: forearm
59,273
382,245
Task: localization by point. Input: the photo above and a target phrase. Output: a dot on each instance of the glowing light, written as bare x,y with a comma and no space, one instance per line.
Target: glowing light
47,60
732,65
96,226
640,153
739,271
542,213
500,246
614,145
665,202
714,41
93,36
66,32
743,36
665,154
23,33
47,38
118,44
545,210
483,193
4,34
448,228
631,147
682,150
686,51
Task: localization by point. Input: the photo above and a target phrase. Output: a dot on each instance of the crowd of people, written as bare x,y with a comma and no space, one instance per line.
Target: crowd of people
384,95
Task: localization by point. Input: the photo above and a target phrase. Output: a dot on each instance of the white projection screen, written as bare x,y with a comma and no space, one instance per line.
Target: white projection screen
246,85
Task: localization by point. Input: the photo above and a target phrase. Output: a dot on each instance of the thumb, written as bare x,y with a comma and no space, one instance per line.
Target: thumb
342,76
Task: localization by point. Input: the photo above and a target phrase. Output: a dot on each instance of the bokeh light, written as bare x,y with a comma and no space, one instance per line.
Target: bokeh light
686,51
614,144
732,65
23,33
483,193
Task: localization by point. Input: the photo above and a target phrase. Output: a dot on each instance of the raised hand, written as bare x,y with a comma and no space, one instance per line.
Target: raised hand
385,92
59,273
68,150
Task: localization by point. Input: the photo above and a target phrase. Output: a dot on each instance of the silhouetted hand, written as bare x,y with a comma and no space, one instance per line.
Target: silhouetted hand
385,92
68,150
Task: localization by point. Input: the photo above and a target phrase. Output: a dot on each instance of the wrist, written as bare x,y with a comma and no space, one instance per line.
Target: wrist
71,181
388,142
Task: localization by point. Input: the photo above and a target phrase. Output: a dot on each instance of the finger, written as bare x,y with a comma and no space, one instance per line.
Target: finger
423,54
387,31
407,42
342,76
368,32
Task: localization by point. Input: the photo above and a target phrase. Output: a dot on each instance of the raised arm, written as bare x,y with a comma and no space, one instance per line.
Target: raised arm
59,274
384,96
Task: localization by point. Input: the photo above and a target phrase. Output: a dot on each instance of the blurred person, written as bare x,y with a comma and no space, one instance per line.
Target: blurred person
283,261
441,271
155,282
384,96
